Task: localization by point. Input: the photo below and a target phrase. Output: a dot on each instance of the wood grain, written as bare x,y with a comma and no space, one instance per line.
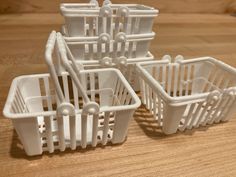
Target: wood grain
165,6
207,151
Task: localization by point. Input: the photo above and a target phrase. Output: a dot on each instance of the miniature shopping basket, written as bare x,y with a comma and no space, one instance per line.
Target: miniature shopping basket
78,108
188,93
91,20
122,52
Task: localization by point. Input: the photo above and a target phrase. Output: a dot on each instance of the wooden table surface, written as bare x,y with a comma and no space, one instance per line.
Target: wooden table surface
207,151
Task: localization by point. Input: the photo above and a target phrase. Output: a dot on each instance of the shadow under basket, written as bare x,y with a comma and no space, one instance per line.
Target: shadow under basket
186,94
32,105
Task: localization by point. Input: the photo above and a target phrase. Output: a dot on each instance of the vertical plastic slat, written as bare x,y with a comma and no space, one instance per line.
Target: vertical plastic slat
147,95
188,78
49,138
181,80
92,86
150,100
117,88
121,89
154,102
95,130
48,120
176,80
20,101
142,88
164,76
222,107
209,114
136,29
203,114
117,24
84,130
122,53
61,134
160,114
128,99
72,133
126,25
105,128
100,25
99,50
130,51
90,54
195,116
132,29
115,50
76,97
91,26
18,105
109,26
188,118
169,76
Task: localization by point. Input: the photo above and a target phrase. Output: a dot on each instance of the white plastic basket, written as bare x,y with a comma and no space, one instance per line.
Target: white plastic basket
50,113
123,52
188,93
109,52
92,20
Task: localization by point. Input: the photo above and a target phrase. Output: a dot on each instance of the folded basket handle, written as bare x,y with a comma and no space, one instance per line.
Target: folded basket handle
48,57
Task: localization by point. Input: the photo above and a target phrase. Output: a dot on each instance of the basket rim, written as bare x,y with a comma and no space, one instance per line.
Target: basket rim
8,103
180,100
147,11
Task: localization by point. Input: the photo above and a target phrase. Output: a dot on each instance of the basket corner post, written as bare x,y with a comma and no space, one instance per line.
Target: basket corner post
122,122
172,118
28,132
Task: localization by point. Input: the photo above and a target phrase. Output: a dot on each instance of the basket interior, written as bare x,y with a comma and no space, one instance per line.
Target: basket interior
190,78
37,94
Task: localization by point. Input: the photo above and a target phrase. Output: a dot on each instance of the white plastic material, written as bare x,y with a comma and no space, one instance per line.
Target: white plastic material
101,48
92,20
188,93
46,118
123,52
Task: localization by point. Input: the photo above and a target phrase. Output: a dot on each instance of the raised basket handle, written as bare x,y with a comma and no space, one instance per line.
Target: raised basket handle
64,108
73,70
48,58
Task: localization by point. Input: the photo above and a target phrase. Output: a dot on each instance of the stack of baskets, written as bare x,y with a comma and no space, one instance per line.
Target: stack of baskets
87,97
114,35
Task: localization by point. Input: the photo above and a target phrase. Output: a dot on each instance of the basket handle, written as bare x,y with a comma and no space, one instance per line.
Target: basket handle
94,2
64,108
90,107
48,57
106,2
